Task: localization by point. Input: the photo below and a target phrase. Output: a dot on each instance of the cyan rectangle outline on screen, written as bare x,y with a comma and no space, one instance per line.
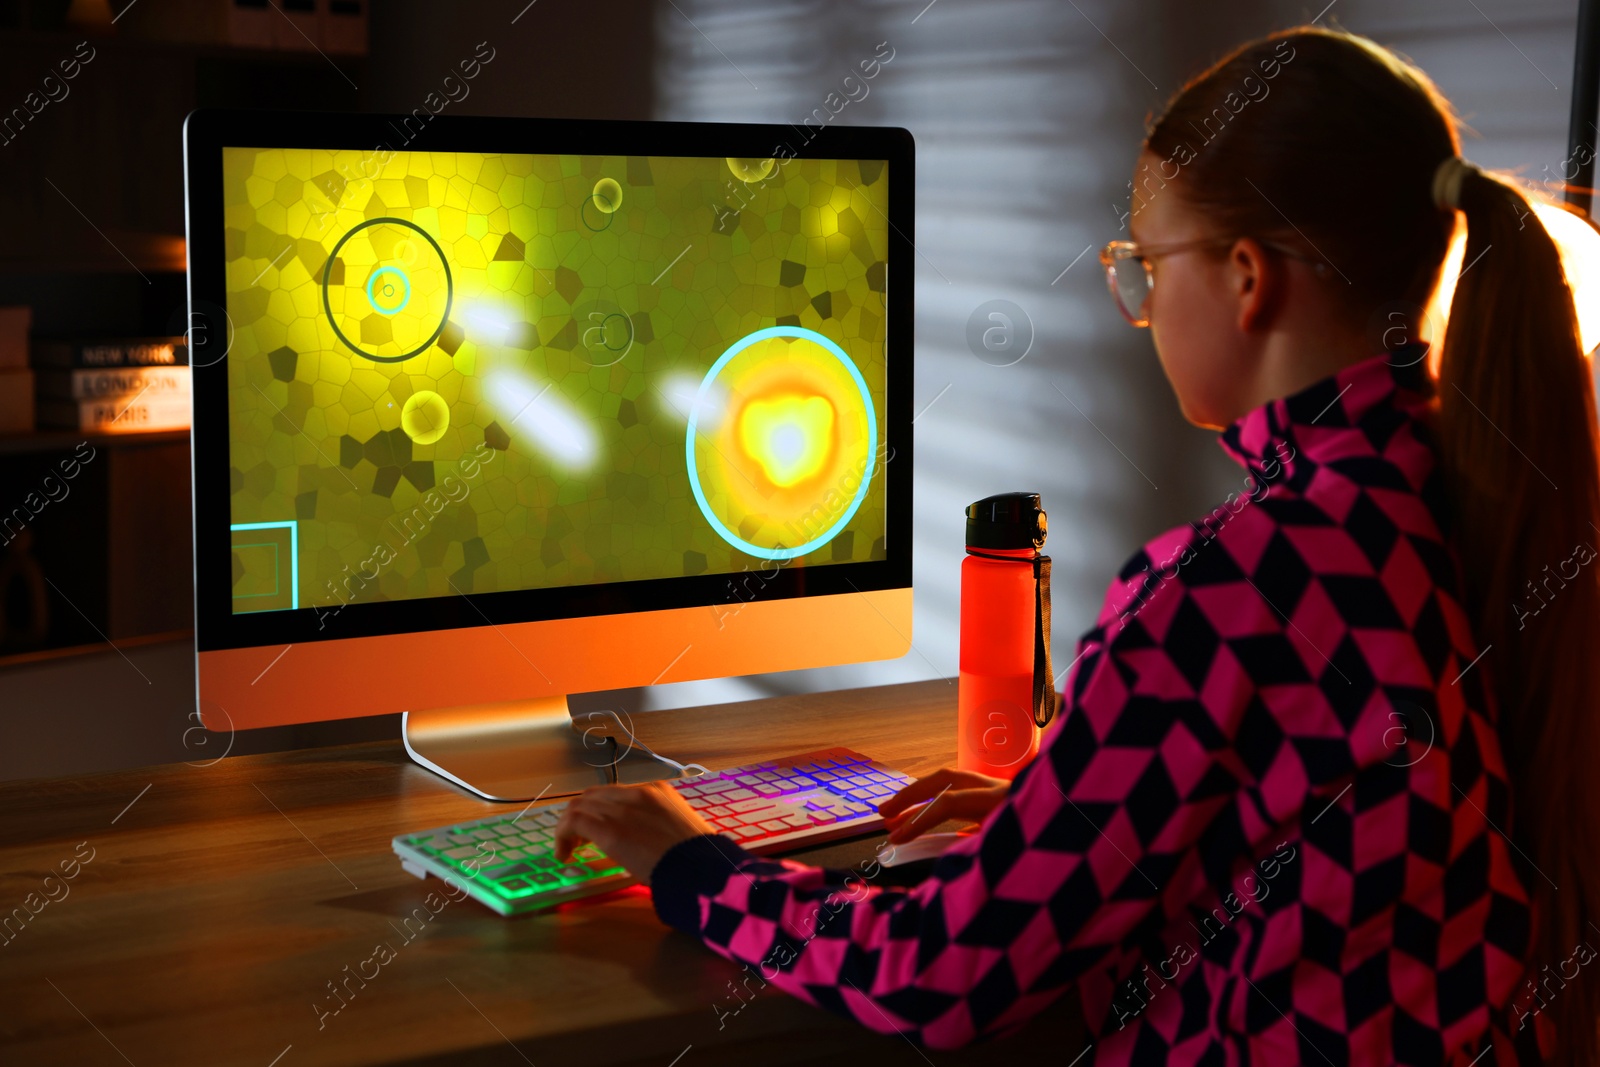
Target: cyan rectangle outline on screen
293,527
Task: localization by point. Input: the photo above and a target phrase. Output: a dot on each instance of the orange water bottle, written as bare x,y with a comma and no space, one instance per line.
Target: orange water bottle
1007,691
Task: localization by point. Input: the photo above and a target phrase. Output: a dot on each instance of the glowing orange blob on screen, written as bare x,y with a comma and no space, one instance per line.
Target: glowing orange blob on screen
779,463
791,437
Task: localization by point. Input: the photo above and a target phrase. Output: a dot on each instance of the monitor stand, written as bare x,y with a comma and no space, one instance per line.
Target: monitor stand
527,750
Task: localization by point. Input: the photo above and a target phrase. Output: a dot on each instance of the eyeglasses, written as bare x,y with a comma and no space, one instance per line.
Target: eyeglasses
1131,279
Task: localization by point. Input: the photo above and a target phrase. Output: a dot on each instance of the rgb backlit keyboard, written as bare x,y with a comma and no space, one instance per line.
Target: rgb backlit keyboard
507,860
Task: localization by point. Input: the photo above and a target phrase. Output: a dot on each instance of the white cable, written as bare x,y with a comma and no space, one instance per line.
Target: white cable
685,770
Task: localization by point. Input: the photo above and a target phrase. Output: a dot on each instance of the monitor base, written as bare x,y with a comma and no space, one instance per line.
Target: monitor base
524,751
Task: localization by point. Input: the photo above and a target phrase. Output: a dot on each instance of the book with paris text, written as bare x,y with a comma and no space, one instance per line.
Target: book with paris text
118,414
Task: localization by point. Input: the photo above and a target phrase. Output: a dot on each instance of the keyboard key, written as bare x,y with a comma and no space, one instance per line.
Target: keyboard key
494,874
602,867
461,839
510,840
439,844
753,804
587,852
717,787
574,874
687,791
745,832
748,779
718,811
880,791
546,818
775,825
767,776
739,794
512,854
485,835
820,817
751,817
544,880
505,829
797,819
514,884
767,789
463,853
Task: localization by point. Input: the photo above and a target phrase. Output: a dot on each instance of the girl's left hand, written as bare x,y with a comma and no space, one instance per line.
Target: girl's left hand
633,824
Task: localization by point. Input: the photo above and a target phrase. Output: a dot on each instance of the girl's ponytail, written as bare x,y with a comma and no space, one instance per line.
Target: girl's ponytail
1518,441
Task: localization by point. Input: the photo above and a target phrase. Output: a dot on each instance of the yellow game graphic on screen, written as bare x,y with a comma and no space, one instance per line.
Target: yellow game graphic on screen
464,373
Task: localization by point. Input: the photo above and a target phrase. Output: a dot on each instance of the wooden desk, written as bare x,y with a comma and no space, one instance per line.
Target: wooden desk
221,900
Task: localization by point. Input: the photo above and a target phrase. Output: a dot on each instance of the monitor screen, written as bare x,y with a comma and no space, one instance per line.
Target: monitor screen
462,372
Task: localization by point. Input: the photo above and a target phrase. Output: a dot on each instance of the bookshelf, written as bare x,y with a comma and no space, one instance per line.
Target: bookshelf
91,187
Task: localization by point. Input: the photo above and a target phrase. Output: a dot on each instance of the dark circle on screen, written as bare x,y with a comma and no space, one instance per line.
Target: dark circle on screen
627,326
449,290
583,212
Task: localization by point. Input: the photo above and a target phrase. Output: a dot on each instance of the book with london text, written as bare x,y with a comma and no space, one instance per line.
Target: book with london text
87,383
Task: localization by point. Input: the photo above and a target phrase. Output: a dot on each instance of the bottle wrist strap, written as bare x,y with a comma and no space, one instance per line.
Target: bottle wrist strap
1044,679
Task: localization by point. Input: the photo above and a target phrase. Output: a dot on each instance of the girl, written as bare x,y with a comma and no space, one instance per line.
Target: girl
1321,789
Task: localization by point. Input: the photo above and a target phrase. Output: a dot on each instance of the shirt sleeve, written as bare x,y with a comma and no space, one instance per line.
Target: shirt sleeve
1062,875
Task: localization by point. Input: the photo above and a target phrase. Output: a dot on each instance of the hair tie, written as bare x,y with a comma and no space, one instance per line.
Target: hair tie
1447,179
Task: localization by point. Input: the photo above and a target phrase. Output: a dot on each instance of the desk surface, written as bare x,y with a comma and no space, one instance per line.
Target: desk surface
220,902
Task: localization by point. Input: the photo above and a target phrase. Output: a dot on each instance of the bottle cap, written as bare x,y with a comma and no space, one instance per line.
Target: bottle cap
1006,520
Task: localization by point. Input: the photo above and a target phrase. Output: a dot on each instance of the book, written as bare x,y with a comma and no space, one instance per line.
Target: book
14,325
117,414
16,400
88,383
127,352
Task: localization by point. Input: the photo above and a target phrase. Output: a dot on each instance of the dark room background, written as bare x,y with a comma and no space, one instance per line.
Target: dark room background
1027,116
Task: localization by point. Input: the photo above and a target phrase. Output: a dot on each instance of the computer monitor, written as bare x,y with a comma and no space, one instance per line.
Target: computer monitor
488,412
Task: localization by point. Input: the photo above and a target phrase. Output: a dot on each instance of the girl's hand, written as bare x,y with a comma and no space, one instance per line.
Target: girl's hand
633,824
950,794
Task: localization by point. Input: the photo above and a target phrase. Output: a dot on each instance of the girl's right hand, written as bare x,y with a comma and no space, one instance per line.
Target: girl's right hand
949,794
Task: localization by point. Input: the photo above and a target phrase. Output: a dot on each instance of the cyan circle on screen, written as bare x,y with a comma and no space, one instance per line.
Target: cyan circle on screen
694,420
404,281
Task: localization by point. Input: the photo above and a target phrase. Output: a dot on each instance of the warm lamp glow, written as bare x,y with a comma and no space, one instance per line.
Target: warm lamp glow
1579,245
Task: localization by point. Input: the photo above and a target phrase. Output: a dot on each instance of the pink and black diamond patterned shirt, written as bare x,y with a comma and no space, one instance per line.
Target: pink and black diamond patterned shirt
1268,825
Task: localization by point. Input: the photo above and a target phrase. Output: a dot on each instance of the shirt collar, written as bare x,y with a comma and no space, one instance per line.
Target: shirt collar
1372,398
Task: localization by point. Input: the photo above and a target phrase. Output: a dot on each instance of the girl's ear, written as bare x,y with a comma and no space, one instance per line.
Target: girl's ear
1255,282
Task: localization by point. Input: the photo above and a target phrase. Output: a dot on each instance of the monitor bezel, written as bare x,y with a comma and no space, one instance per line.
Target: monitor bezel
207,132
